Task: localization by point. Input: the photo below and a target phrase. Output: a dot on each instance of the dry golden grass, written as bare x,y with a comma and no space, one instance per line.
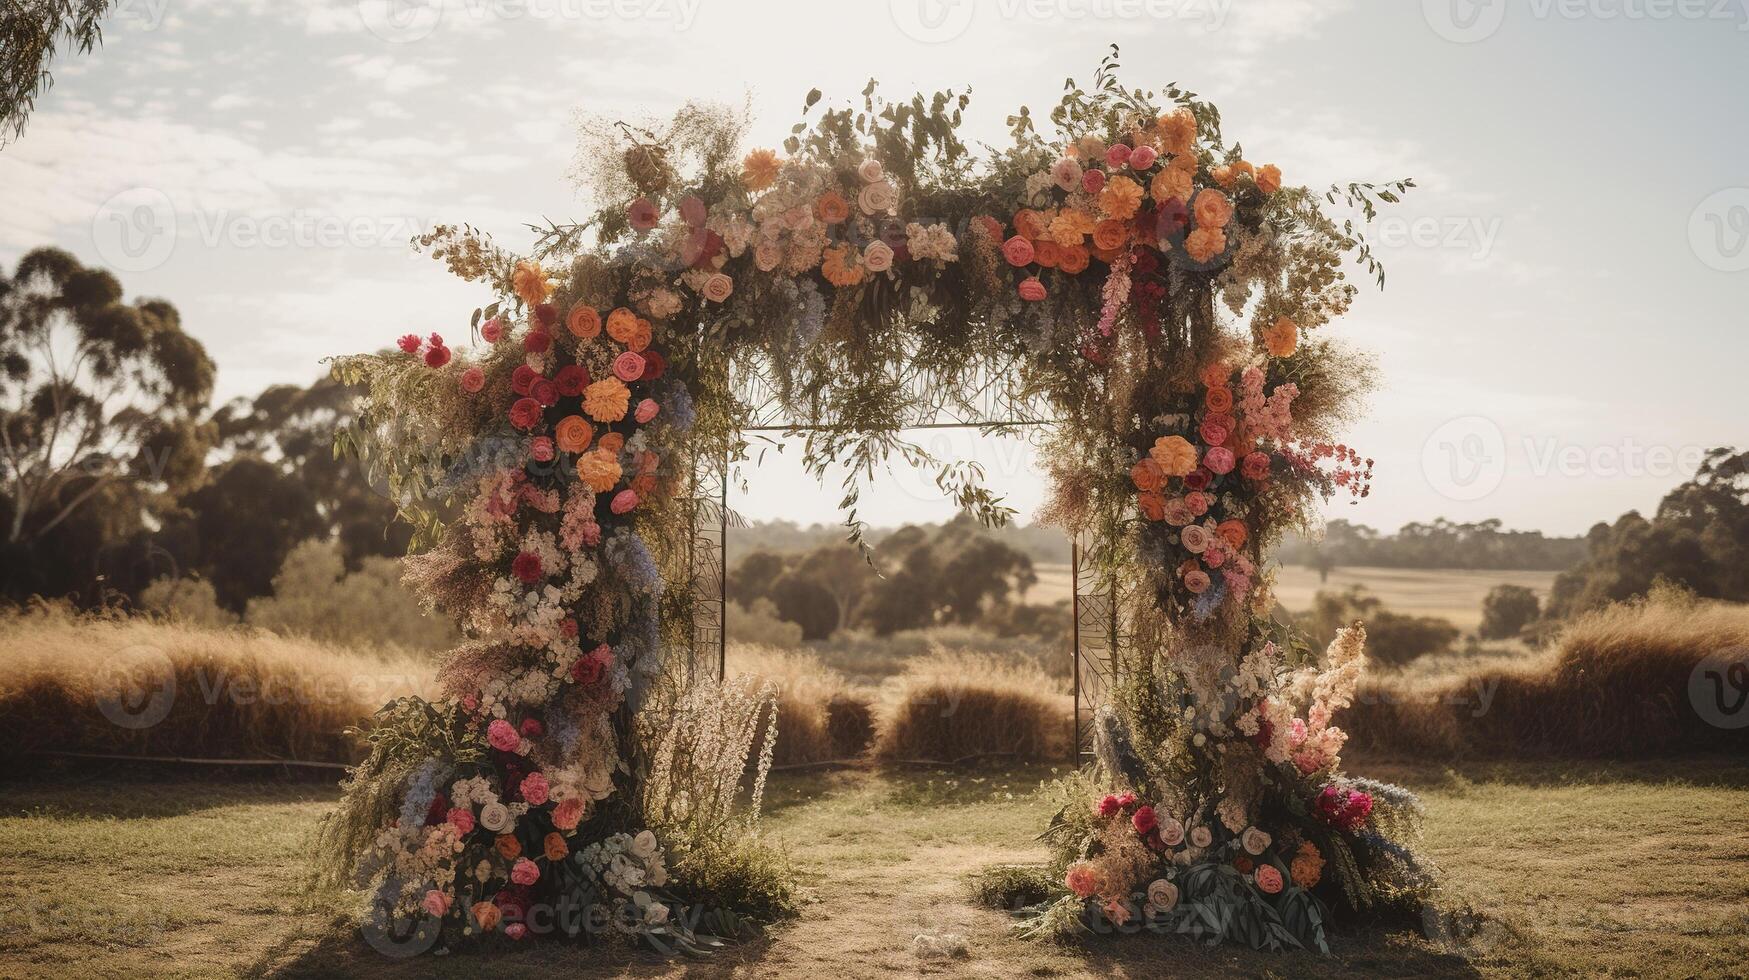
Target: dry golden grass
1617,682
956,706
113,685
820,718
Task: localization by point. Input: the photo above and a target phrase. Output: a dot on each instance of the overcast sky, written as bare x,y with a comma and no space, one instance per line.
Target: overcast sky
1562,332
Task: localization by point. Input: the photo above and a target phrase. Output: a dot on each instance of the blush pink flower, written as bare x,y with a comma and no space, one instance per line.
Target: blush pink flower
1268,879
642,214
535,788
1197,581
524,872
461,818
503,736
472,380
436,902
1219,460
1142,157
540,449
1032,290
646,410
624,502
1117,155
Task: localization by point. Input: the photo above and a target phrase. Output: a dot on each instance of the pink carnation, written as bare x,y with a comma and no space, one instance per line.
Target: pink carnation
535,788
1144,820
409,343
524,872
1219,459
646,410
436,357
624,502
503,736
461,818
436,902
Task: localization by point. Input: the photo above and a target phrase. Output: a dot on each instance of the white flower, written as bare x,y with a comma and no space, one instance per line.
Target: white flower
496,817
870,170
1172,831
1162,895
1201,836
1255,841
655,914
878,197
878,256
643,845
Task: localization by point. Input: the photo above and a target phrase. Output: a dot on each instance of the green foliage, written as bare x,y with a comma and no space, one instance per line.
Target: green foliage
742,874
31,33
1012,888
1506,610
313,595
1391,638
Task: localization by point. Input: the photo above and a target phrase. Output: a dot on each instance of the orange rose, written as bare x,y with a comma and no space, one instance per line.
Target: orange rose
1203,244
1269,178
1110,234
1047,253
489,915
584,322
573,434
600,471
1146,474
607,400
1028,224
1174,455
1223,176
1153,505
1282,339
612,442
1219,399
509,848
1073,260
1212,209
1232,531
621,324
832,208
641,336
555,847
759,169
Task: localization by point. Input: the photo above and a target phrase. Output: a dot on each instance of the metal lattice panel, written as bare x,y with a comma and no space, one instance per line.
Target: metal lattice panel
1099,643
706,543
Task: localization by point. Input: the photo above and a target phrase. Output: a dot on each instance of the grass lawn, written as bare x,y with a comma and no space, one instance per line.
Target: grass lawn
1630,870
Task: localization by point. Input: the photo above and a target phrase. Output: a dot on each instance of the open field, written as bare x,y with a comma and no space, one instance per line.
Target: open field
1626,870
1453,593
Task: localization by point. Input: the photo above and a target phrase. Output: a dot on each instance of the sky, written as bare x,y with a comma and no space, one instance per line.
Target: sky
1561,335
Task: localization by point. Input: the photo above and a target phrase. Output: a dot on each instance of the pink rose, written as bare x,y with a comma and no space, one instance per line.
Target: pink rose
1268,879
1219,459
878,256
503,736
1213,431
568,813
624,501
646,410
524,872
461,818
540,449
718,288
629,366
517,930
643,214
472,380
1093,181
1142,157
1018,251
1195,539
492,330
436,902
1256,465
535,788
1118,155
1197,581
1172,832
1031,289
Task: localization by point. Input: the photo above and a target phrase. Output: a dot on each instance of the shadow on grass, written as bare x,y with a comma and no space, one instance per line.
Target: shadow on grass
145,793
1727,772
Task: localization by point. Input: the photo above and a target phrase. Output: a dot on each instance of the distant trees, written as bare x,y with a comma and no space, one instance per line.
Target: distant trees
1391,638
955,574
1438,544
1698,539
101,405
1506,611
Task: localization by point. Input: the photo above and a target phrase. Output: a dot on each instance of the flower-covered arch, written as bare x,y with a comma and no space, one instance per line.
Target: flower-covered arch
1161,295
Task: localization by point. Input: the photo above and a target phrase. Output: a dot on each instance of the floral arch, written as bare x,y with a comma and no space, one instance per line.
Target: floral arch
1130,274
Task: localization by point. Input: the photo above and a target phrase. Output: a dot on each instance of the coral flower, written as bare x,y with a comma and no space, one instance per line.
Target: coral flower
832,208
1028,224
1031,289
628,367
622,324
1110,233
534,788
1152,505
1219,459
624,502
1282,339
1018,251
1268,879
1255,465
759,169
1174,455
1212,209
583,321
1073,260
1082,880
530,282
524,872
574,434
1219,398
1147,475
1171,184
568,814
606,400
646,409
599,470
525,414
1232,531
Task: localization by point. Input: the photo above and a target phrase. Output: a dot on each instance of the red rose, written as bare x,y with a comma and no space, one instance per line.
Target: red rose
587,670
523,378
545,392
655,365
1198,479
1144,820
532,728
1213,432
546,314
410,343
537,342
525,414
436,357
526,567
571,380
1108,806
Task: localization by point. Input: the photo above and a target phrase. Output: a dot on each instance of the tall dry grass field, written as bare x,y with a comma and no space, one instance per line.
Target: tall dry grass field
820,717
1619,682
72,683
956,706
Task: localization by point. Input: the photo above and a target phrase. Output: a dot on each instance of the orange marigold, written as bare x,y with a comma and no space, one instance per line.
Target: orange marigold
530,282
1282,338
1204,244
1174,455
839,267
1307,868
598,469
1121,198
1170,183
607,400
759,169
